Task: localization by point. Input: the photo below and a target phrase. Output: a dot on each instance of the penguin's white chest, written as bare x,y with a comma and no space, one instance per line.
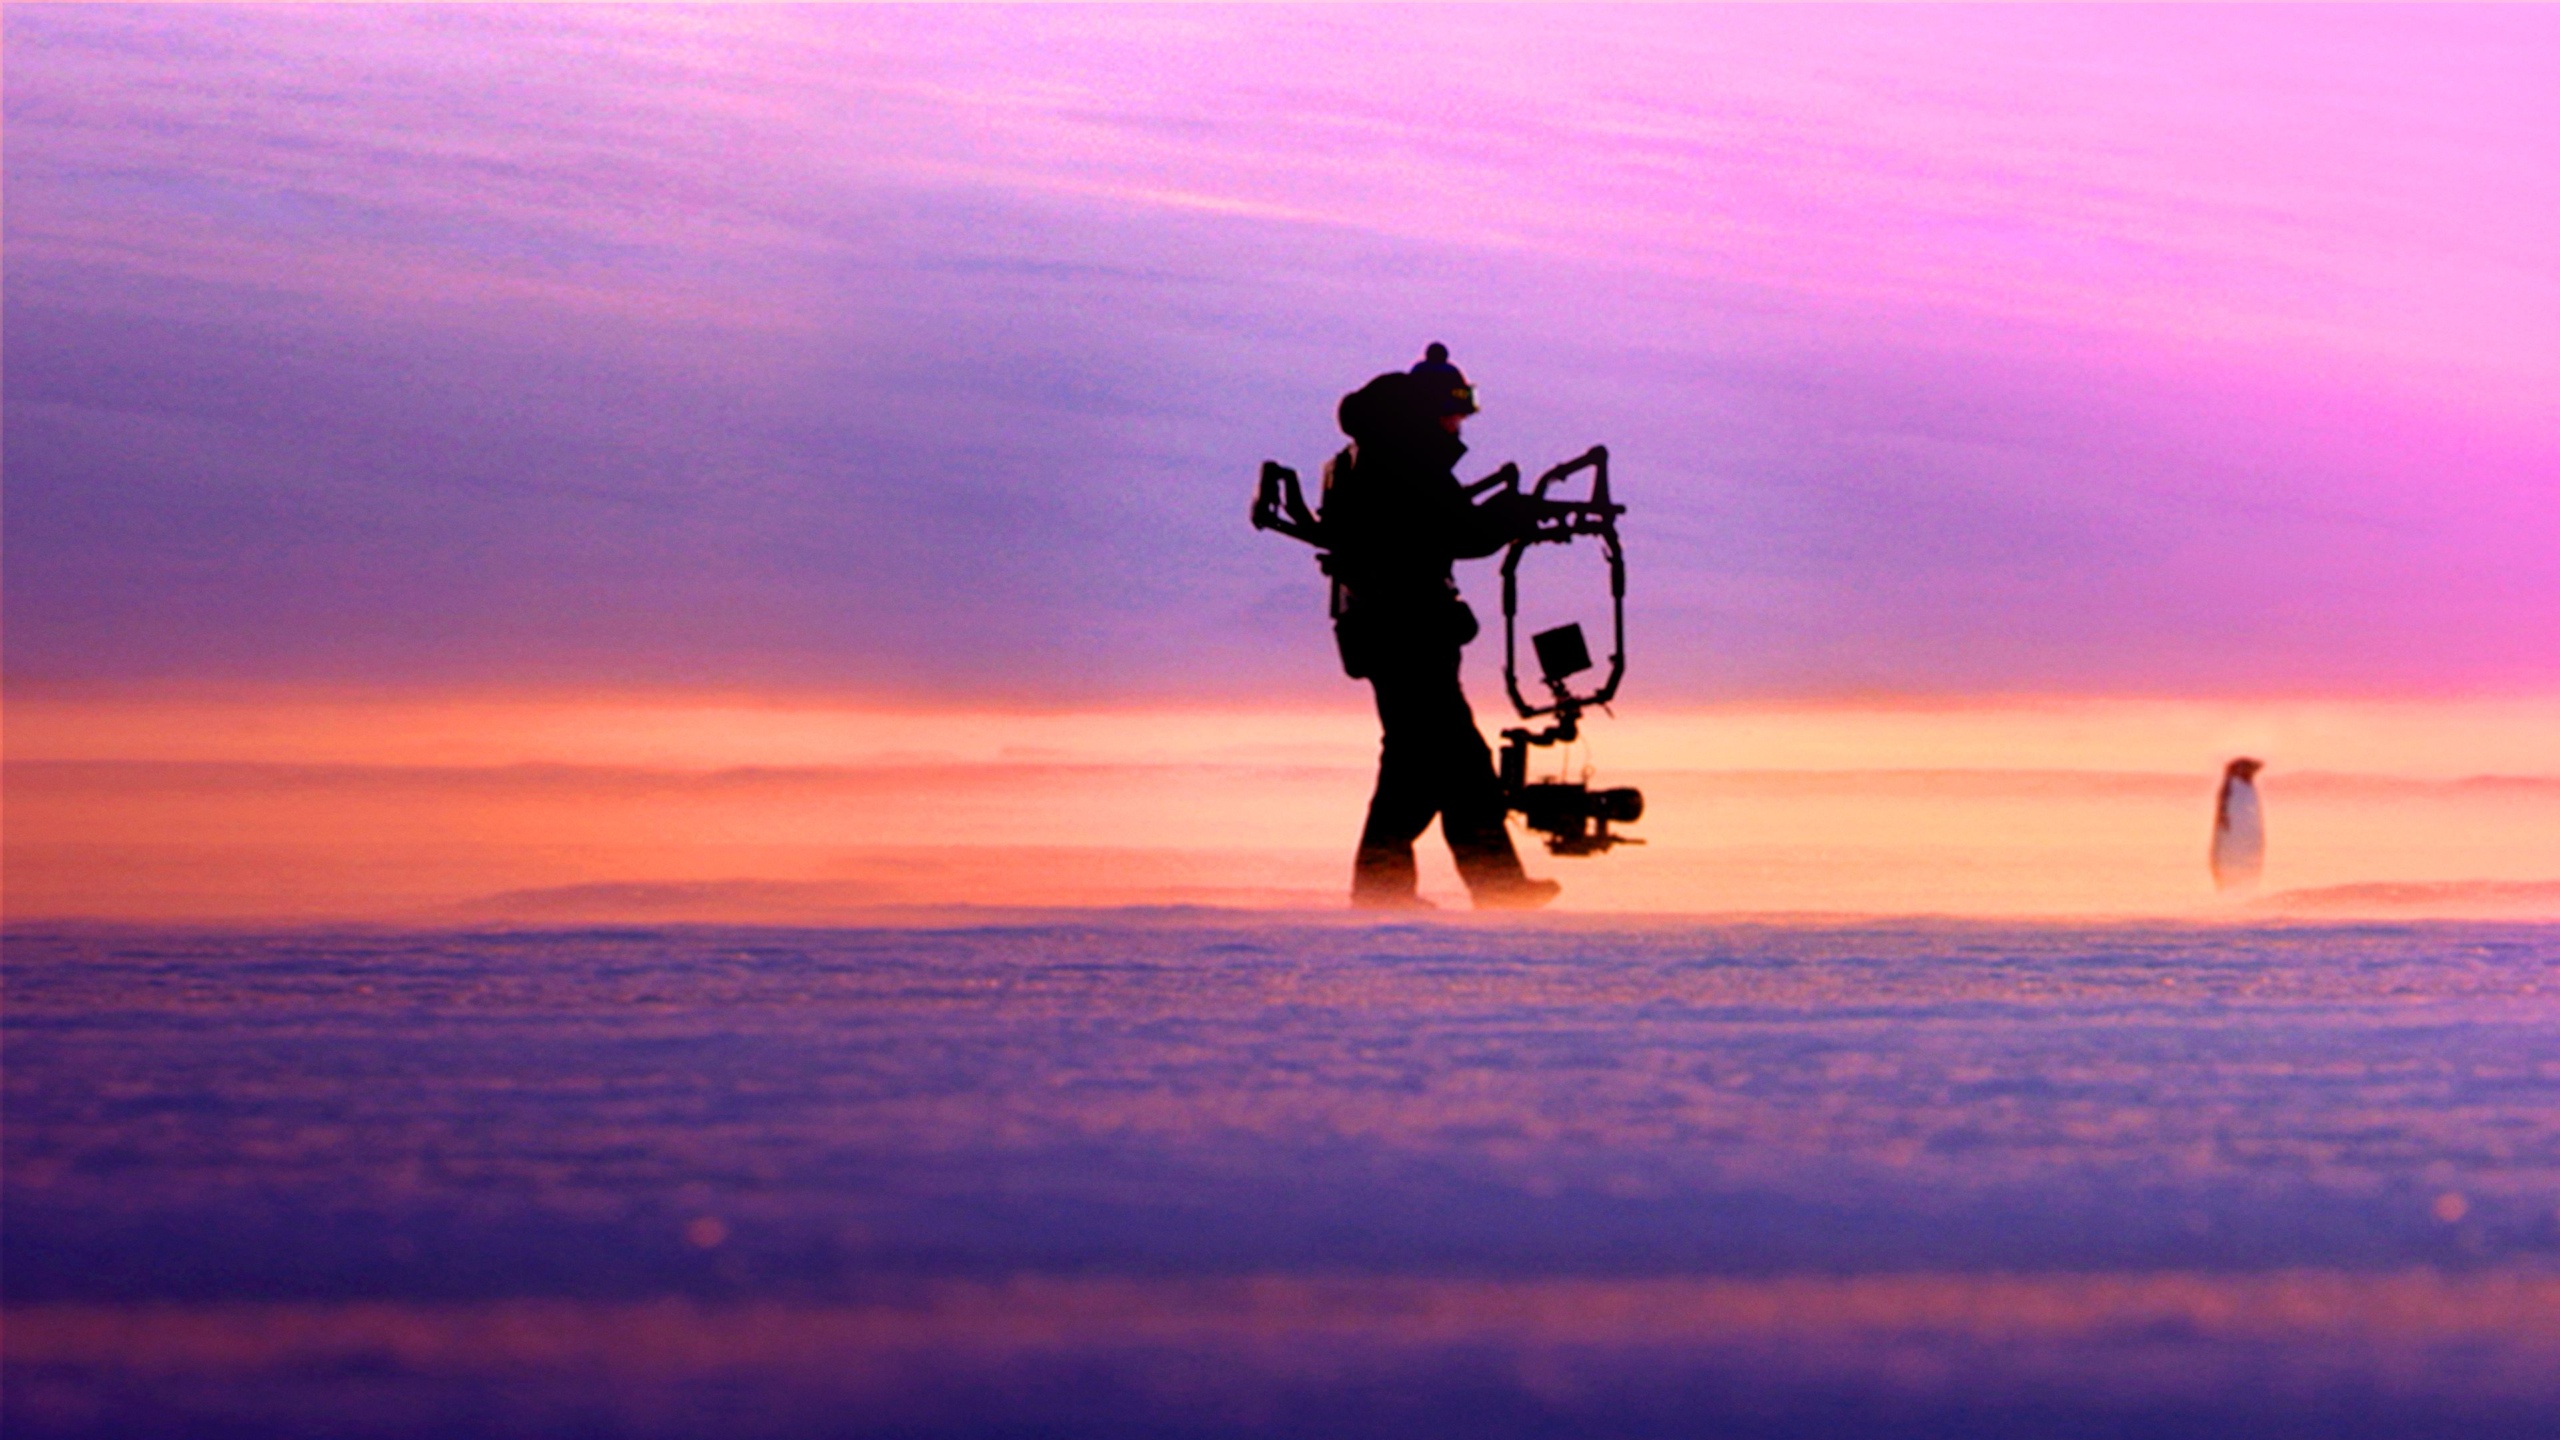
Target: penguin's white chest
2239,836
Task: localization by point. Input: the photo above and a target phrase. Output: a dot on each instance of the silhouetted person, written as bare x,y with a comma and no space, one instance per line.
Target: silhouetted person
1395,518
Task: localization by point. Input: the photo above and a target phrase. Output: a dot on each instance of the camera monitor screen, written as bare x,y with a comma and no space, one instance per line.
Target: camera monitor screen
1561,652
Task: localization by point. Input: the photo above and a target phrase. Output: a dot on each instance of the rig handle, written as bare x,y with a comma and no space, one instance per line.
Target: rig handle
1556,522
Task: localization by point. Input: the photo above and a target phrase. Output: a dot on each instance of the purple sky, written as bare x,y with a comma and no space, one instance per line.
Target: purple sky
931,353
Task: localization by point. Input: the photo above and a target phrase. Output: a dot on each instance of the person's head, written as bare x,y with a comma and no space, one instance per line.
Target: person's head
1442,389
1382,414
1415,412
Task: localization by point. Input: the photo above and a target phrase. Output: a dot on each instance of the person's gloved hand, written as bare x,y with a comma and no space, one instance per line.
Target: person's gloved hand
1507,513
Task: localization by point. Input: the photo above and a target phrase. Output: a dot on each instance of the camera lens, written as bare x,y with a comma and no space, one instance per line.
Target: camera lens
1622,805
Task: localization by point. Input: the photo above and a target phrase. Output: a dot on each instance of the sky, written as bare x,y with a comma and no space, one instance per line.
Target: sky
734,463
927,356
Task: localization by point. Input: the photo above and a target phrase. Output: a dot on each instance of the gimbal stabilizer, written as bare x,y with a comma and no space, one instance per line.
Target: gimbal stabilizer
1280,505
1573,818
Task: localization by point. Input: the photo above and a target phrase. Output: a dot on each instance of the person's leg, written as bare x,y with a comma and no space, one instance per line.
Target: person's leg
1401,807
1467,792
1474,819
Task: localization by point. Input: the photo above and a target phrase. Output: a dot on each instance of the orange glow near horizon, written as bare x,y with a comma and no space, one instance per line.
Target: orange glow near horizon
656,808
2406,738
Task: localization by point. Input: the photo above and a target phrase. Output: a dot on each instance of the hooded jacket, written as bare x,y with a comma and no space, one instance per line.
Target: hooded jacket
1394,514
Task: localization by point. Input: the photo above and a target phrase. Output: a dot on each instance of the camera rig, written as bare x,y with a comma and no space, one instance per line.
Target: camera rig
1573,818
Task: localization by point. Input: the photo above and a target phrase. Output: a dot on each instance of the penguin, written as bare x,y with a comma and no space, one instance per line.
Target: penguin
2239,835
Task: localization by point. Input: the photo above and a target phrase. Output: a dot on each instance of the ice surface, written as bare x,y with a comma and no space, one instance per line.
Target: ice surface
1212,1174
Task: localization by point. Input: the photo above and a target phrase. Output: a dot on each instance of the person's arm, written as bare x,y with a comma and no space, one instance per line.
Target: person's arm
1490,524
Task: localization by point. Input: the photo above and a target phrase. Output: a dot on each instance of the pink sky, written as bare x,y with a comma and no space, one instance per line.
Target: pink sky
927,354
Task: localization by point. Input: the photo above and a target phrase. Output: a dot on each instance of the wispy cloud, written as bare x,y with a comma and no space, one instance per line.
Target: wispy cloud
927,351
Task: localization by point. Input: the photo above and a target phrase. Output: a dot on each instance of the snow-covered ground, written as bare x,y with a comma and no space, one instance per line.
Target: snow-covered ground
1213,1173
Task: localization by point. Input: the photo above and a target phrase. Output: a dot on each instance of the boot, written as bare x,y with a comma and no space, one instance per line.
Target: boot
1383,878
1491,867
